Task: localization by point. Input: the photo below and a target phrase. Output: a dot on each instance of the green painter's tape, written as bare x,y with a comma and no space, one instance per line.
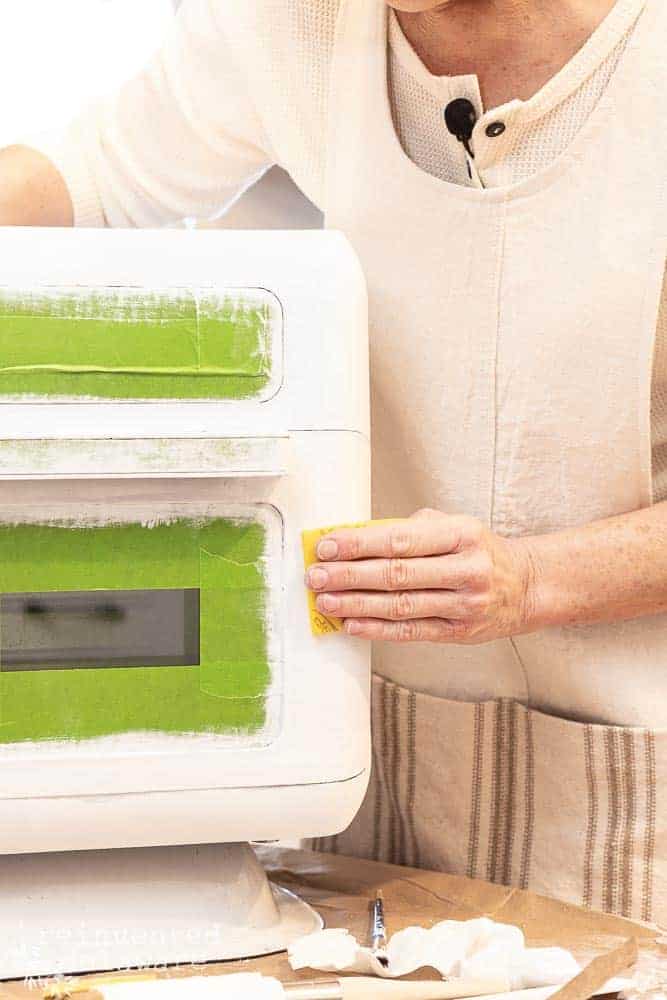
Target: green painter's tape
118,370
228,608
132,344
224,695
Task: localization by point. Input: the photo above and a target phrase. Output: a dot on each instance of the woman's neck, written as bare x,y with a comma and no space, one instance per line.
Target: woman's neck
513,46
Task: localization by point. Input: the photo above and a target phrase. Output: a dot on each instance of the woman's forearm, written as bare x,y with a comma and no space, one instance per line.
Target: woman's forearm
32,192
605,571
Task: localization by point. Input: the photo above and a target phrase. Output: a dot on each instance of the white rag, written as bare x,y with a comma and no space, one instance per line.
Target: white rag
232,987
454,948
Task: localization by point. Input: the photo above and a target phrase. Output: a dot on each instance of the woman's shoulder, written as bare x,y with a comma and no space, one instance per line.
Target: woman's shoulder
288,43
310,23
285,49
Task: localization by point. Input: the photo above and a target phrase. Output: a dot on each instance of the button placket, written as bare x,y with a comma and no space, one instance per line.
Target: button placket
492,138
473,172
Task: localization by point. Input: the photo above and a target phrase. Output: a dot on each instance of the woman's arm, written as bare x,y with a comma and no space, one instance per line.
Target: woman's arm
443,578
605,571
181,139
32,191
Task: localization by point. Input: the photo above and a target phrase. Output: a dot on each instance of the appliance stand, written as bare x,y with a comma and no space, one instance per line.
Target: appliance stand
90,911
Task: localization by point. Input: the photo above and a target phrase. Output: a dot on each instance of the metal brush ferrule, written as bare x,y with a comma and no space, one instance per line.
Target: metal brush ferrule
378,928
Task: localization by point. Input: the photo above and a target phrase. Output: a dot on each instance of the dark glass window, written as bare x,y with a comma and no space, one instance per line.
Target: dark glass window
99,628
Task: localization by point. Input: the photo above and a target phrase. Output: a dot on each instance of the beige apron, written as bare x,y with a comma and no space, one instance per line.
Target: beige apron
512,334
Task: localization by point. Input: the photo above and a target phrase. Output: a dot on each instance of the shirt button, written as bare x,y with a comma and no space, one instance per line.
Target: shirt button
495,129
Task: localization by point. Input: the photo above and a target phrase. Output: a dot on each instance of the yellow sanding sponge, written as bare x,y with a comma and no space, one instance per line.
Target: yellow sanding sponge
321,624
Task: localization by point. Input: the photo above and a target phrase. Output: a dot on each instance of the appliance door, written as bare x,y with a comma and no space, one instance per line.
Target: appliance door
158,679
130,625
115,342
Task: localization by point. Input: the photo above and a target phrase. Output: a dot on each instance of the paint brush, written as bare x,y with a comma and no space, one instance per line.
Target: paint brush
371,988
63,989
379,930
345,988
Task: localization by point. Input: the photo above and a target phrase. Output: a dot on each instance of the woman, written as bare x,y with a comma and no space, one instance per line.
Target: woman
515,267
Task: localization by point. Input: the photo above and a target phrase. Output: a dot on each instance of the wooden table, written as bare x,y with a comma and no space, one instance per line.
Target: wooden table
340,889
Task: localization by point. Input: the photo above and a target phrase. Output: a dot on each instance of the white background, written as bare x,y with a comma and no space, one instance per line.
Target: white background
56,56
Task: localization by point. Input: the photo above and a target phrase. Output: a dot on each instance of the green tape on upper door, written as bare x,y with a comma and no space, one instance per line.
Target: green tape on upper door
130,343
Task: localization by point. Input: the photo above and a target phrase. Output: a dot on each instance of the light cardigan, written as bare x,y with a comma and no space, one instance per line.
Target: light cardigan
242,84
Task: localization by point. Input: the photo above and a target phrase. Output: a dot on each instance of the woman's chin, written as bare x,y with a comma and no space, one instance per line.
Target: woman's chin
416,6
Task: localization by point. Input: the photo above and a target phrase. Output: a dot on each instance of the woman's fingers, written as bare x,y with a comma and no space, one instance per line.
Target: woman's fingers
401,606
426,533
433,573
432,577
414,630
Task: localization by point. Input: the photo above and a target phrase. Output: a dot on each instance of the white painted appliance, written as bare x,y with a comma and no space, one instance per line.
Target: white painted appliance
175,407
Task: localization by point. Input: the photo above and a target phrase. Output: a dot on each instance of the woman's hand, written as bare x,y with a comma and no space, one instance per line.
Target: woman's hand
432,577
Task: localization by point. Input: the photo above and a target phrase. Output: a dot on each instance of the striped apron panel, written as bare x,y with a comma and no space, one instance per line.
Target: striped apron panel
497,791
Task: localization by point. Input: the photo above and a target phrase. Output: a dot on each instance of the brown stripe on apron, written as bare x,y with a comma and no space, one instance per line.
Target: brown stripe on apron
505,803
476,790
496,791
382,750
376,779
613,817
394,784
389,761
413,858
629,774
592,820
502,803
510,792
649,831
396,773
609,874
618,857
621,778
529,802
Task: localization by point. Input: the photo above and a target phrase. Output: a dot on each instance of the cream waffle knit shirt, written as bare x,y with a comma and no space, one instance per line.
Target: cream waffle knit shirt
242,84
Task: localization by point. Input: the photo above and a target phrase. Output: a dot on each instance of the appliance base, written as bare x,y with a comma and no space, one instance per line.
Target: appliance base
91,911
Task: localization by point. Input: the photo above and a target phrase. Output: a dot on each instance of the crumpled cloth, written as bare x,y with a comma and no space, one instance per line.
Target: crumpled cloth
239,986
466,949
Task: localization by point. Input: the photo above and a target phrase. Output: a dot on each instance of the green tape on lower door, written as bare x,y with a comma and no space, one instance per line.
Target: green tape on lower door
225,694
126,343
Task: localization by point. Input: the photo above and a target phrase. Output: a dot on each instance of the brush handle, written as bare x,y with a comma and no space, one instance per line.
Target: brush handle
369,988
